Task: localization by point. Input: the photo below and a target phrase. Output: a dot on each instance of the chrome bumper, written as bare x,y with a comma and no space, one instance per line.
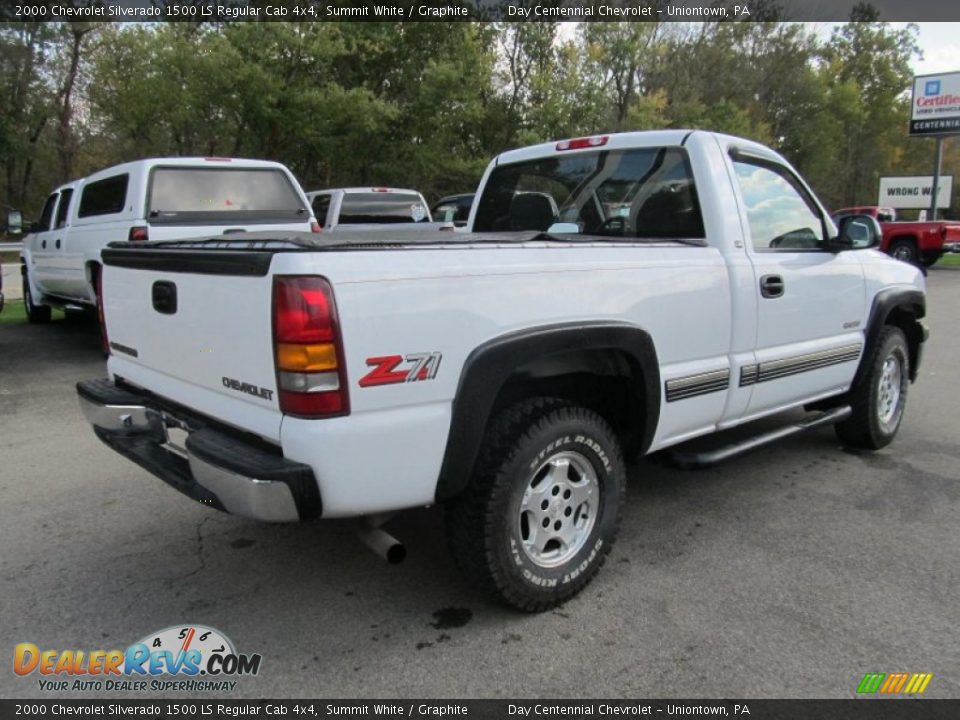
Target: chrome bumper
213,468
951,247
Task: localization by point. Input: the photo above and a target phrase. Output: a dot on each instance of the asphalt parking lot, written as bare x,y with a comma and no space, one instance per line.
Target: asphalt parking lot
787,573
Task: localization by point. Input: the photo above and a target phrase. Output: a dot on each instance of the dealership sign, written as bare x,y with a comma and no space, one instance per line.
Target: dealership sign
935,105
914,192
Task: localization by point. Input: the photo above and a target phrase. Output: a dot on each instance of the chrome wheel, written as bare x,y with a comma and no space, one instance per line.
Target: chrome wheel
558,509
903,252
889,392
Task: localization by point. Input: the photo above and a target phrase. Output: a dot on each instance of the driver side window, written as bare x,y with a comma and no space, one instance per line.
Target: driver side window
781,214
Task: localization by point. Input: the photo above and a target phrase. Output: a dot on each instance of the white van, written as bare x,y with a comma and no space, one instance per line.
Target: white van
156,199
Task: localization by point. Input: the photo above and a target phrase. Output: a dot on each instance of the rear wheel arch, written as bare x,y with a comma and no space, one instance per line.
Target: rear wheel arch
93,271
902,240
609,367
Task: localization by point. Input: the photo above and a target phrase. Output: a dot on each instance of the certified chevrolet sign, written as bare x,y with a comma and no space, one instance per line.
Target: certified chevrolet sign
935,105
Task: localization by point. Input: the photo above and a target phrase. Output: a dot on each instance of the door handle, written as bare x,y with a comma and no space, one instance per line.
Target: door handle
771,286
58,243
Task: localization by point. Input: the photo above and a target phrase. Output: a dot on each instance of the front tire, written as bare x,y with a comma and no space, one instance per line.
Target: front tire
881,395
543,506
36,314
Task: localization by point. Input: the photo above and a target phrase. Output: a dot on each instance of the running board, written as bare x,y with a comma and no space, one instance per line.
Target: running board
693,460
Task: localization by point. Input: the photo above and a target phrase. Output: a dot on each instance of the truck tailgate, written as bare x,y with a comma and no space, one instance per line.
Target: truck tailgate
195,327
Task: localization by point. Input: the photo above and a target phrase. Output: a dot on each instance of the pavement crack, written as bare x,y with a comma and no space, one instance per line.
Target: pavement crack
201,560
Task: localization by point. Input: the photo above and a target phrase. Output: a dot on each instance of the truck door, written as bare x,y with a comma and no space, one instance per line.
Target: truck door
810,301
58,276
42,247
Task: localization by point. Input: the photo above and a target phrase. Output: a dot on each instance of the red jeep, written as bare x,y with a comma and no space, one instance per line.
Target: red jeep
921,243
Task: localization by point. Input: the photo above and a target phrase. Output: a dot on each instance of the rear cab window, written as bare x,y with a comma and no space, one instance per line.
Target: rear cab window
104,197
382,207
642,193
455,210
200,195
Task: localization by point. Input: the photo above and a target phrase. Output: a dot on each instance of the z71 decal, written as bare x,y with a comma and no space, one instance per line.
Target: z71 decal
391,369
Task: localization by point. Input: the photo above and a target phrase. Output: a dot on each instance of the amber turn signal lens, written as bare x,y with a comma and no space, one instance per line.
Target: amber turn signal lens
306,358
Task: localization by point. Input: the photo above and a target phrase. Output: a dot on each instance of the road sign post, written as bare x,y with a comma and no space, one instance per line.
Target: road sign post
937,164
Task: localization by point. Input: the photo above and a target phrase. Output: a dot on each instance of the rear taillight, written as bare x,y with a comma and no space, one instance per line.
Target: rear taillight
138,233
104,340
315,227
584,142
308,350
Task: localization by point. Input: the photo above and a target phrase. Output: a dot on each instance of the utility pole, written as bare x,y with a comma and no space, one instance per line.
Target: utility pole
937,164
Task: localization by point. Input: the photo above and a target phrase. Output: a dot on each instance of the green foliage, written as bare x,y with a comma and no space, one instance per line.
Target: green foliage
867,69
426,105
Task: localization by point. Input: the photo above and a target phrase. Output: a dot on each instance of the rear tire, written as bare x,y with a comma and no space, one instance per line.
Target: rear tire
905,250
879,399
930,260
543,507
36,314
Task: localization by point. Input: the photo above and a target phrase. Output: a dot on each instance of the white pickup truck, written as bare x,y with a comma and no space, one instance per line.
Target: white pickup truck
154,199
617,296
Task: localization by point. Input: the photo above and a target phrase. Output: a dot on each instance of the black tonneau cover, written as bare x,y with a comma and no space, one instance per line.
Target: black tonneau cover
283,240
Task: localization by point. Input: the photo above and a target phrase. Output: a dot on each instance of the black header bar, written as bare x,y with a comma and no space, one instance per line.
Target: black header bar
468,10
397,709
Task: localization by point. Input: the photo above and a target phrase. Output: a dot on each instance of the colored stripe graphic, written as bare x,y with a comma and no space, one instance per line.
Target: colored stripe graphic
871,682
894,683
918,683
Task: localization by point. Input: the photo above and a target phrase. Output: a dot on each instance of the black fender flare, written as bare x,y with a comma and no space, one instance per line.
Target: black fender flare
911,301
489,366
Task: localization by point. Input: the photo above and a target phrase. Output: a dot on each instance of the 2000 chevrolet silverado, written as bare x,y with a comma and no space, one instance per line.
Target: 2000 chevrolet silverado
617,295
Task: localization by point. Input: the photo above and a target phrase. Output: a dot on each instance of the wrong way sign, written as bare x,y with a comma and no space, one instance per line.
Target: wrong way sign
914,192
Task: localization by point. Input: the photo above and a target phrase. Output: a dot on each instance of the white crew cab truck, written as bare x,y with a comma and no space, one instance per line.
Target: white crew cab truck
156,199
653,287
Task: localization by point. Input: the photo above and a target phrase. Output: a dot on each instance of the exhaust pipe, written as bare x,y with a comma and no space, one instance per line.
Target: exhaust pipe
380,541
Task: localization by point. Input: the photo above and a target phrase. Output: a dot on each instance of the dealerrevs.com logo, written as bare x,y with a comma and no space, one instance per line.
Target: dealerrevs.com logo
178,658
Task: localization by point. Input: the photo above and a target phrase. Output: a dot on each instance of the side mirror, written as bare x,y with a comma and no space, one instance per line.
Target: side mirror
856,232
14,222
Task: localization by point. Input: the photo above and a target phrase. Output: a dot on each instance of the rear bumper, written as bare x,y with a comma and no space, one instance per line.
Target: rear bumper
214,468
951,247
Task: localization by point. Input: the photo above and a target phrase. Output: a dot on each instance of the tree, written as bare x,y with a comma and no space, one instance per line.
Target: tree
25,50
621,54
866,67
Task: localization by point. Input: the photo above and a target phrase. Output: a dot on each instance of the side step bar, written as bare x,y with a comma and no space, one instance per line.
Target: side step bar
694,460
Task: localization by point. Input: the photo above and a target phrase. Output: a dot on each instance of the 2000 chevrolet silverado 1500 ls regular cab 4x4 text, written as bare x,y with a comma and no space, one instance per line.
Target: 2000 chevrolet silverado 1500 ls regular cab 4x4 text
617,295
